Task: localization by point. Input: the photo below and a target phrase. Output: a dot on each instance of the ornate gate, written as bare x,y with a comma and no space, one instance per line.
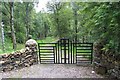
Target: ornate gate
65,52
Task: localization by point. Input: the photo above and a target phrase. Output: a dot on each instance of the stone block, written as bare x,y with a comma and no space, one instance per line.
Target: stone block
100,70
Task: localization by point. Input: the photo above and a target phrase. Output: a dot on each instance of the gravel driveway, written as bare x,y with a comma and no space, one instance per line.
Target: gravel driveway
52,71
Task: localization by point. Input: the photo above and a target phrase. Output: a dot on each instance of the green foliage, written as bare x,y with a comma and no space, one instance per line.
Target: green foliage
96,22
61,14
8,46
102,22
47,40
20,37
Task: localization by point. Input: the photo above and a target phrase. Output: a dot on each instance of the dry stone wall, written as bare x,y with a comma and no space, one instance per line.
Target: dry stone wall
20,59
106,63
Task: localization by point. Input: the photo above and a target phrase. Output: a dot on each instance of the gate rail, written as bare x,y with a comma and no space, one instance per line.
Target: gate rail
84,52
46,52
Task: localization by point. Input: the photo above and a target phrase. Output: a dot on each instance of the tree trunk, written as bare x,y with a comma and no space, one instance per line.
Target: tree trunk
75,19
2,36
58,29
12,26
2,30
56,12
46,29
83,39
76,22
27,22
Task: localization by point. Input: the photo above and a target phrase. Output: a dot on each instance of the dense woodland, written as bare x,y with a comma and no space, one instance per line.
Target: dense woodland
77,21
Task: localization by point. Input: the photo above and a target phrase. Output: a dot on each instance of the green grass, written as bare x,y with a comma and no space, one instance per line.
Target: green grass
47,40
8,45
8,48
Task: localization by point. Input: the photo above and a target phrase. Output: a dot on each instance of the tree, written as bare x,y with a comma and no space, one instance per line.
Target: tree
11,4
8,20
55,8
2,36
60,14
101,22
28,7
75,9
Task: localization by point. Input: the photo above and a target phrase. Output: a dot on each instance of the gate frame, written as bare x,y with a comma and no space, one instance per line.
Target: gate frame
56,52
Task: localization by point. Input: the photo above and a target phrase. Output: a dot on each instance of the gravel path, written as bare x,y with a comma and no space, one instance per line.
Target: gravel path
52,71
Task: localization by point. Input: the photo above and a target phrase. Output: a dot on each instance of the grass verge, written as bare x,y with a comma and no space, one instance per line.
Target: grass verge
9,49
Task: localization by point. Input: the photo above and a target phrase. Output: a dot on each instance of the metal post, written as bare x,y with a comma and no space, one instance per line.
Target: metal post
68,52
39,52
56,53
71,52
92,53
61,50
64,42
76,47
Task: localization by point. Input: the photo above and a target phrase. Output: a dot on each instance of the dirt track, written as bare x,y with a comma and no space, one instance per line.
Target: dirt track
52,71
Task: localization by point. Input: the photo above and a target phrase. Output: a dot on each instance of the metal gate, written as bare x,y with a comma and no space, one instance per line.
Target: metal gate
65,52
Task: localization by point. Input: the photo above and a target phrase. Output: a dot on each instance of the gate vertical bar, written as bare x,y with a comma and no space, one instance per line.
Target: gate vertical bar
65,51
39,52
92,53
76,51
68,53
71,51
56,53
61,50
